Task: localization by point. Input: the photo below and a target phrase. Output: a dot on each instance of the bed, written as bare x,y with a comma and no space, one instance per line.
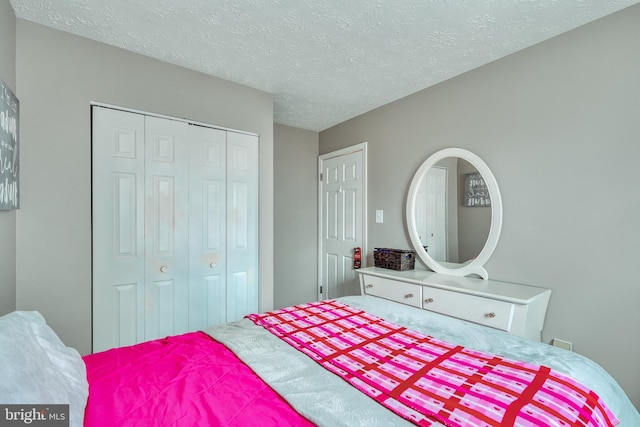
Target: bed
245,373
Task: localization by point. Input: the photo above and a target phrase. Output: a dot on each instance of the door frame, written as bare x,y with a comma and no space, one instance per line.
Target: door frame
361,147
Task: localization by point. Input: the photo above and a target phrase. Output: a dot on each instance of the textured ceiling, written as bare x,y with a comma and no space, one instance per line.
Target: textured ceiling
324,61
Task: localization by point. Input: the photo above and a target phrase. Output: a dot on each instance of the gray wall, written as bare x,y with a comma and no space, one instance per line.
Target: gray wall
7,218
558,125
295,216
58,75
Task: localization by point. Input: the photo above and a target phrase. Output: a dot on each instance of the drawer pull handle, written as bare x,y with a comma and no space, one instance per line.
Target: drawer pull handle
369,286
408,296
490,315
429,300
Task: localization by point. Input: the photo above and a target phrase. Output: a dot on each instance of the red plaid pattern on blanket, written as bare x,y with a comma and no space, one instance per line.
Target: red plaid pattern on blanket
424,379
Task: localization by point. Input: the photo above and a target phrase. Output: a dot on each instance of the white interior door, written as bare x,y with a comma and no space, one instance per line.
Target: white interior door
118,228
342,220
175,227
242,225
436,213
421,211
207,227
166,223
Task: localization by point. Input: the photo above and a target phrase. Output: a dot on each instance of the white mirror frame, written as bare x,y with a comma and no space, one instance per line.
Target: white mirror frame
477,265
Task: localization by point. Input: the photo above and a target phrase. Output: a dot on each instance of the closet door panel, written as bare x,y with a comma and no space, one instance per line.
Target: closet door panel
118,228
162,215
166,228
175,227
163,321
241,295
125,305
214,302
207,227
125,223
242,225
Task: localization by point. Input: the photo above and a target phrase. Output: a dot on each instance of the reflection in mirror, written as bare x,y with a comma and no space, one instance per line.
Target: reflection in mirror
454,213
452,224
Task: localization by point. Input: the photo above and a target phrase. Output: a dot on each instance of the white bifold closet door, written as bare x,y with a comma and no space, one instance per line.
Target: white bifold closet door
175,236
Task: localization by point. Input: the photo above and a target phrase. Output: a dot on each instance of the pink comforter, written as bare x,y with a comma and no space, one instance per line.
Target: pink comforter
186,380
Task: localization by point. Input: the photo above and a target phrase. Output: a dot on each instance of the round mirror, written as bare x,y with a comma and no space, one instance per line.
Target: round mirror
454,213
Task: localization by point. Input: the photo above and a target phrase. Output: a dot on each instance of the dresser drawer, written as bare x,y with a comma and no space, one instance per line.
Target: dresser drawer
497,314
405,293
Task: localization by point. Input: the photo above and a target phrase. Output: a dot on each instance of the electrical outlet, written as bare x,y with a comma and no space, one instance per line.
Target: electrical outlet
557,342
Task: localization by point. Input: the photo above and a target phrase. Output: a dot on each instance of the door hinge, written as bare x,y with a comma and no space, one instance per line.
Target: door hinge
321,176
320,290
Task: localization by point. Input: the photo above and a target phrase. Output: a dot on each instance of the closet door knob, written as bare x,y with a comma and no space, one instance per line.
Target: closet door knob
213,265
164,269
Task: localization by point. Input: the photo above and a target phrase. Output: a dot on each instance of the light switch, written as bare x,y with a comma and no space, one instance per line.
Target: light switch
379,216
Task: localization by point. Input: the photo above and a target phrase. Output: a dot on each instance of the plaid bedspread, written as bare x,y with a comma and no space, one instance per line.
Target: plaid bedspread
424,379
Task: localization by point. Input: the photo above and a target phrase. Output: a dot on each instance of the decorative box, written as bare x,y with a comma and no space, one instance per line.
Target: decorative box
394,259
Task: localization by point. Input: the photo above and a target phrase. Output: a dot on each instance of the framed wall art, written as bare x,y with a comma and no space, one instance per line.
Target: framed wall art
9,145
476,193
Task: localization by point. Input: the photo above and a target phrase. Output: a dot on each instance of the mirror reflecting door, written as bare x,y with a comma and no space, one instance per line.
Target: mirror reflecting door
454,212
433,224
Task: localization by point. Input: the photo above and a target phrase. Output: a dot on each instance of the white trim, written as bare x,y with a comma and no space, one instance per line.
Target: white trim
162,116
347,150
477,265
341,152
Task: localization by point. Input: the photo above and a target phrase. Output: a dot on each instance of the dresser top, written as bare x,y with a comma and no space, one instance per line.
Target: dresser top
505,291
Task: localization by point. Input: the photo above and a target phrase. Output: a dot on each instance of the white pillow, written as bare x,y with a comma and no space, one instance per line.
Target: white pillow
37,368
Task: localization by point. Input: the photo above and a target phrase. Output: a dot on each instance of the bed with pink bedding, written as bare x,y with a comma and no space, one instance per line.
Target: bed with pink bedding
184,380
358,361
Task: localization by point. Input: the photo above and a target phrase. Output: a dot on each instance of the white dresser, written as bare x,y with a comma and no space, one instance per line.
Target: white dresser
517,309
